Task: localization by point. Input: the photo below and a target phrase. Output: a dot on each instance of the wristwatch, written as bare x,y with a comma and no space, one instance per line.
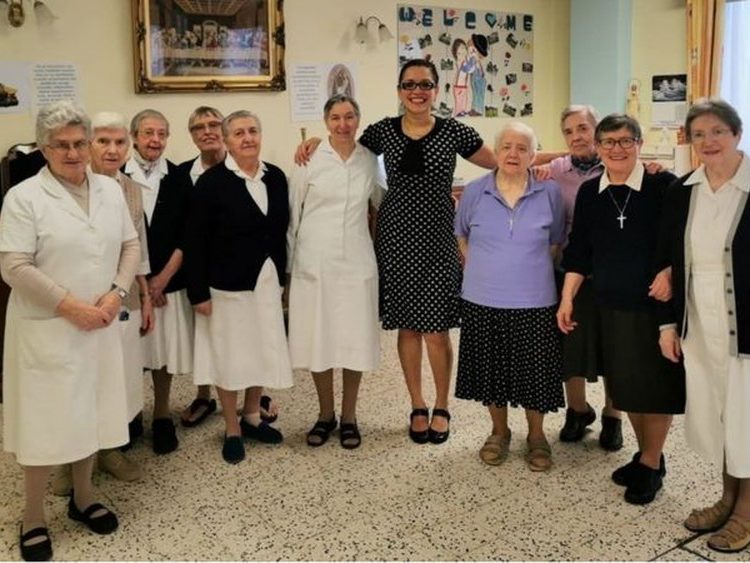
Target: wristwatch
120,291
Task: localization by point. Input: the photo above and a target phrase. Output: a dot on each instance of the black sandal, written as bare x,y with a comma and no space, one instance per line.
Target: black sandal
434,436
104,524
321,431
419,437
265,410
349,435
41,551
208,407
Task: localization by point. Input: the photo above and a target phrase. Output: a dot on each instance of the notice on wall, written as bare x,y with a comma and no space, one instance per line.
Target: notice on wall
485,59
54,82
15,93
312,84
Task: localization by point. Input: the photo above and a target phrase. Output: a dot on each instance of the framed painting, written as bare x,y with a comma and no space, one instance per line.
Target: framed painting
208,45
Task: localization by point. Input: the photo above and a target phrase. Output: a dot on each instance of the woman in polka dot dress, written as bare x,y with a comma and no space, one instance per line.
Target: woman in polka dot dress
510,354
420,274
418,264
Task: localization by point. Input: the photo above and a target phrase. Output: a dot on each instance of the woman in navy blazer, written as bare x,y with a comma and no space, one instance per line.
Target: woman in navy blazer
235,260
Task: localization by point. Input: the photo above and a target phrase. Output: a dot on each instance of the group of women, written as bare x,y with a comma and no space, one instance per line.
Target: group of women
663,261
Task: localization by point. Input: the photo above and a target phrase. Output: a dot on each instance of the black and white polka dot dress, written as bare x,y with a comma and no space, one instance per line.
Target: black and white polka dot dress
417,252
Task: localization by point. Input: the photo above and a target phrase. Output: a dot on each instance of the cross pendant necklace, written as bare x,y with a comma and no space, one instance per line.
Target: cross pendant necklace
621,217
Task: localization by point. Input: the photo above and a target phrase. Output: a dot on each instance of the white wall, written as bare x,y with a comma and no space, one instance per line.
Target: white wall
96,36
659,46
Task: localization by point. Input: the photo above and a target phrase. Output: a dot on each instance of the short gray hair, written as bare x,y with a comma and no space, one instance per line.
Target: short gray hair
203,111
239,114
517,127
717,107
339,99
135,123
108,120
590,111
57,115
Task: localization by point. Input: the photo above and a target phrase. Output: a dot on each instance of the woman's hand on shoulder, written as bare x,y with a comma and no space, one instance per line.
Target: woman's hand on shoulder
542,172
305,150
84,316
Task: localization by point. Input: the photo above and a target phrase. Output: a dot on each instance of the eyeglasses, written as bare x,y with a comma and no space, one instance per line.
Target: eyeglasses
412,85
210,126
64,148
701,136
626,143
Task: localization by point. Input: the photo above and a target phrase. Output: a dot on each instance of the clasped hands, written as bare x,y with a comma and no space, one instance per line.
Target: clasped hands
89,317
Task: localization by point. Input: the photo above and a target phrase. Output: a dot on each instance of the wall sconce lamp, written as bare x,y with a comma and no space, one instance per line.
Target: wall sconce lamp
361,34
17,13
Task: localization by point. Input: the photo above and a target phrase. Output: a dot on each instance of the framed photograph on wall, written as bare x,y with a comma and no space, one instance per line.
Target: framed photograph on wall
205,45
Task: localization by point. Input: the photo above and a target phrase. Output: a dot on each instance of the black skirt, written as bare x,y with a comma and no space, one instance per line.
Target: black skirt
581,348
510,356
637,377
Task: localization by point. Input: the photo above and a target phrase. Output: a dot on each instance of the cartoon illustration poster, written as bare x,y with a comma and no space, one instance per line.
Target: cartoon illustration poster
485,60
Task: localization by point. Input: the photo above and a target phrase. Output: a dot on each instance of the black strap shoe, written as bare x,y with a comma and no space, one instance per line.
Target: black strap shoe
434,436
418,436
40,551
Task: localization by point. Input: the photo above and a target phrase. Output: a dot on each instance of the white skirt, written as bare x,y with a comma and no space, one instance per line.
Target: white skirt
717,413
170,344
333,322
64,390
242,343
132,353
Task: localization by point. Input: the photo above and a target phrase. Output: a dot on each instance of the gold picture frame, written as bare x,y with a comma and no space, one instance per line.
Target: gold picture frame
208,45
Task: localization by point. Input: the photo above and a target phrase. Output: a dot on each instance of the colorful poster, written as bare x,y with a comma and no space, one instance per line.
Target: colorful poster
485,60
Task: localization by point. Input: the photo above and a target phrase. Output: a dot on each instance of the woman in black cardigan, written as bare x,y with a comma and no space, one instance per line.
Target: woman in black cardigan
613,237
706,239
236,258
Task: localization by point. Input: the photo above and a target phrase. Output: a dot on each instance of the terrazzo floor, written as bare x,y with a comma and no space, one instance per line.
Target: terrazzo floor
388,500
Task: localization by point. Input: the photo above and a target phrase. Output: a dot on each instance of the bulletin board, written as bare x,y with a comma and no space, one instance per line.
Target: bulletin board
485,59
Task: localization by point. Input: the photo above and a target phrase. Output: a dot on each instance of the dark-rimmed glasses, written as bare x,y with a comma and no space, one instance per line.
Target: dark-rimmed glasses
625,143
413,85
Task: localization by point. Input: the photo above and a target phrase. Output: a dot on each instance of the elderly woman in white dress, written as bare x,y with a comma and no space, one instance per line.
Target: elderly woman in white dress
69,252
109,152
235,259
706,239
333,295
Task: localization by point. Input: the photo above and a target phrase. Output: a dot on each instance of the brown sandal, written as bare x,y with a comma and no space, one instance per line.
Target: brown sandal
708,519
734,536
539,455
495,449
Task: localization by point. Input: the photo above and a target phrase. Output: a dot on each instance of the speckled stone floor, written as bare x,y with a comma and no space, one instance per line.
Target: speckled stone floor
388,500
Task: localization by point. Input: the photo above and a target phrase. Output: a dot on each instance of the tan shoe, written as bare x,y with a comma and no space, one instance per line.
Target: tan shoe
734,536
62,483
495,449
708,519
120,467
538,455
